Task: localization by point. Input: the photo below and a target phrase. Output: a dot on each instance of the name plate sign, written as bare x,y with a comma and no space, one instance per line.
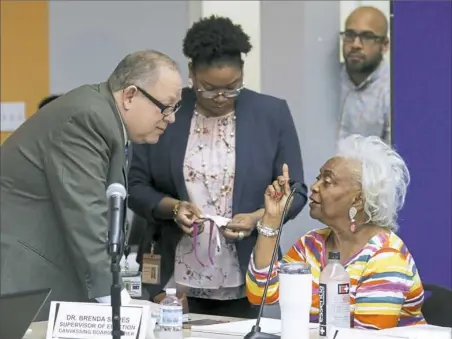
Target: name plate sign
71,320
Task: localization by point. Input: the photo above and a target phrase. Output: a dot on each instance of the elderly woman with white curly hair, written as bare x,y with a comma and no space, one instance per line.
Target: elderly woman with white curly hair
357,196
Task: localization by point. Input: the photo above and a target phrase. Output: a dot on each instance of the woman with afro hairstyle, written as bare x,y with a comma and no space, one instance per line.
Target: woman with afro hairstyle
226,145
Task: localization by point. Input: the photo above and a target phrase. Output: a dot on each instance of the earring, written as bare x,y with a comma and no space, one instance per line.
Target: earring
190,83
352,214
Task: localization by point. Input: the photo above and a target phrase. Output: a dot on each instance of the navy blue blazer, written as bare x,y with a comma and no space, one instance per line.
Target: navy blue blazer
266,138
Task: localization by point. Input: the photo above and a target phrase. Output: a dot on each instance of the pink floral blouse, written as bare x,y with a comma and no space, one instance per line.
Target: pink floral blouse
209,169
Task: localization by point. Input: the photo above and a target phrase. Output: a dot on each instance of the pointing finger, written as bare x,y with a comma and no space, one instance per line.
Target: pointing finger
285,171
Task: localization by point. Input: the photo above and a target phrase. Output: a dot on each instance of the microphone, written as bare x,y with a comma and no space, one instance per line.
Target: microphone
256,329
116,194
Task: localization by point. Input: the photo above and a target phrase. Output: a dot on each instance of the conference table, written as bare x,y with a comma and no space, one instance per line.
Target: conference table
38,330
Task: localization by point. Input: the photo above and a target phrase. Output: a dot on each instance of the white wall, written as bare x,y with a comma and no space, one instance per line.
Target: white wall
89,38
300,41
246,14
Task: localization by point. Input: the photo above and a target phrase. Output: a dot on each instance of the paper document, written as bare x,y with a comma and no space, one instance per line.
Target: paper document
217,219
407,332
351,333
241,328
420,332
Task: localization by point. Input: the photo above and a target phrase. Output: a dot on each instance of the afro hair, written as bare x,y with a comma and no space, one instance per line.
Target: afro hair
215,39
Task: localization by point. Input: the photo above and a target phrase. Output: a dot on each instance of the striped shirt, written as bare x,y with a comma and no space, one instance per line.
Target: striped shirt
366,108
385,288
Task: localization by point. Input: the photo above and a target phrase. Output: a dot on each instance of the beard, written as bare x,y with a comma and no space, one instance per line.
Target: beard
363,66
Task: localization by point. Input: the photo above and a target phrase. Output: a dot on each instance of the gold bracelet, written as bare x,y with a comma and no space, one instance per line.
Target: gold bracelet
176,209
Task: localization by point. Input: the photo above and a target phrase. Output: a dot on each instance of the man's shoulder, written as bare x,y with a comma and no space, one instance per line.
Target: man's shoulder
88,104
82,111
86,98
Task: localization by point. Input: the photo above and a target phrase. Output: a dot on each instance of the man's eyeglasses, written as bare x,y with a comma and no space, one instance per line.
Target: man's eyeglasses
227,93
366,37
166,110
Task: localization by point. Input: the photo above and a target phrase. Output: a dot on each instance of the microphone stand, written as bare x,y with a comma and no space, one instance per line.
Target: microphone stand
116,295
255,332
115,249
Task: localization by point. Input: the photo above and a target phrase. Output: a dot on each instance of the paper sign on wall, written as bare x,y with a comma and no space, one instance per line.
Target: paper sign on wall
70,320
12,115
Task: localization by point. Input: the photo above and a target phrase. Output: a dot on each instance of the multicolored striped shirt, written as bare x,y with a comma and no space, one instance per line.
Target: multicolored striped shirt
385,288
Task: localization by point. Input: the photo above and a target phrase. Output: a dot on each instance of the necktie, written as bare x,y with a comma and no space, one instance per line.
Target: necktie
126,152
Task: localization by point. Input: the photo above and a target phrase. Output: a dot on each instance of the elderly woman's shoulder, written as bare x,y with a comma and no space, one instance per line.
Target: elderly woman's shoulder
389,249
391,242
319,234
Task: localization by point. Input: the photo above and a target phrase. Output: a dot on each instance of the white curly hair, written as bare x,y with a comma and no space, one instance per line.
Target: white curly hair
384,177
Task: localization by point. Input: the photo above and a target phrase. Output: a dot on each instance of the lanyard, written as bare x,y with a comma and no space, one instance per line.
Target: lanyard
212,229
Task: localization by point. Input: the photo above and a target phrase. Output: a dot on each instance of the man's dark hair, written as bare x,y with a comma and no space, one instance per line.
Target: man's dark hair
48,99
216,40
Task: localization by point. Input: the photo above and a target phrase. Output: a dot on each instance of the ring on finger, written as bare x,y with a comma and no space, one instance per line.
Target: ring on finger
240,236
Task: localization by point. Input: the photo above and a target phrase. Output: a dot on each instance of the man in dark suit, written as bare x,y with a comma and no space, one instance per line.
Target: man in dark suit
55,170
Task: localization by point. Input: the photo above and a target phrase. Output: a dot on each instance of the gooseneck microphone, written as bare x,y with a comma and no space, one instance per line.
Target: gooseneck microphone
116,195
256,329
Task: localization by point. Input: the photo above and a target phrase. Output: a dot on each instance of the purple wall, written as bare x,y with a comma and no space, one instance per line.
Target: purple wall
422,96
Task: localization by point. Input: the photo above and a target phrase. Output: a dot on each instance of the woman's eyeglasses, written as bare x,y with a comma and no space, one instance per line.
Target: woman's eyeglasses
228,93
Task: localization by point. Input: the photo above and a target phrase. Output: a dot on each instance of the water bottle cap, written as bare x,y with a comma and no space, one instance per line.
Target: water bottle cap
334,256
171,291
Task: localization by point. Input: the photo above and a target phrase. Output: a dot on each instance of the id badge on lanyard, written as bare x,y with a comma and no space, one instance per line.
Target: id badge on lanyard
151,267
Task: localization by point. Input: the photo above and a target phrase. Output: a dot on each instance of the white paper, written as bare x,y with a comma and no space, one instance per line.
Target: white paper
420,332
218,220
268,325
12,115
406,332
154,308
350,333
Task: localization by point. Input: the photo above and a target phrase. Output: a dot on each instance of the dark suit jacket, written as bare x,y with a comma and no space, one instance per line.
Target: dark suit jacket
54,172
265,139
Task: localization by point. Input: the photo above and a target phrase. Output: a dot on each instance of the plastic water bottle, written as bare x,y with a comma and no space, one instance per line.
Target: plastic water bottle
334,296
170,312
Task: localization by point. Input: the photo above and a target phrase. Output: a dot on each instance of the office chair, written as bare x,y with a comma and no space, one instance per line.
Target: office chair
437,308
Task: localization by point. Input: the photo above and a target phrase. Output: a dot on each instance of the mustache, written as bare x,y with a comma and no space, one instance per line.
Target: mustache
356,53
